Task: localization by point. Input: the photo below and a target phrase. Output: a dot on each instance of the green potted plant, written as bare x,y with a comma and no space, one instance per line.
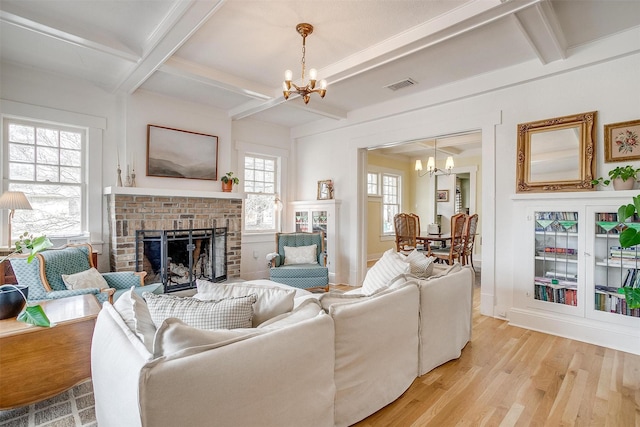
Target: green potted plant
622,177
228,180
14,297
630,237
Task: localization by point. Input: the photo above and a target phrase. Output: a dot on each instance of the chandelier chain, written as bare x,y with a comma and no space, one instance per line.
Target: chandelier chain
304,51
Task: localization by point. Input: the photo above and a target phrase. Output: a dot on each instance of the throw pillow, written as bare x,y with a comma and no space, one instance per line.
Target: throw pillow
174,335
308,309
421,265
271,300
133,310
384,271
300,255
90,278
227,313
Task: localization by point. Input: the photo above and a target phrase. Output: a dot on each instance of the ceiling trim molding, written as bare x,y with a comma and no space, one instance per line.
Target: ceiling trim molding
171,34
216,78
541,30
29,25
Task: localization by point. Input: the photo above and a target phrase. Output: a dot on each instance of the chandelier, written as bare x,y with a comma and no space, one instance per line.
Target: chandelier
304,91
431,164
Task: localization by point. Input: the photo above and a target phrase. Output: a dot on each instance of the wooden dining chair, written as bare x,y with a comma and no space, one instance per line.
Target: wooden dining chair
455,250
471,225
405,228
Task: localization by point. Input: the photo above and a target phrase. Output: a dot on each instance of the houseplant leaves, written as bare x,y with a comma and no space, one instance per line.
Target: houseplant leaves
34,315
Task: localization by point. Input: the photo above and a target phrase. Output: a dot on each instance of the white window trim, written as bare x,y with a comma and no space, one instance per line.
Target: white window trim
95,126
380,170
282,156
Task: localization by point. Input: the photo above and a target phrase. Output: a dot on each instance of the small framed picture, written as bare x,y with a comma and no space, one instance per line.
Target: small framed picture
622,141
442,195
325,189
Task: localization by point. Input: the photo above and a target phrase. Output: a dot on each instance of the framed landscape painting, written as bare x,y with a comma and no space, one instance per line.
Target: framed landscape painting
176,153
622,141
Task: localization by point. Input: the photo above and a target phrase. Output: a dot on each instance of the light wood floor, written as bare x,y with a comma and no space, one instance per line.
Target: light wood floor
509,376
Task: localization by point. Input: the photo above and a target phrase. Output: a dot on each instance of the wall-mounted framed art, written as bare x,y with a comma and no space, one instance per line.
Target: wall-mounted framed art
622,141
176,153
442,195
325,189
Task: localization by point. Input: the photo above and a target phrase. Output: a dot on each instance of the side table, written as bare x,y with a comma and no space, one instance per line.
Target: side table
38,363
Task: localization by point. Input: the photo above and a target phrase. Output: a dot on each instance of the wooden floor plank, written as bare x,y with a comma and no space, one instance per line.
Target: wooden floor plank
516,377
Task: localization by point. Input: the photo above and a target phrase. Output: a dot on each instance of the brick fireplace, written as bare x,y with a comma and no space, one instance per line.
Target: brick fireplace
131,209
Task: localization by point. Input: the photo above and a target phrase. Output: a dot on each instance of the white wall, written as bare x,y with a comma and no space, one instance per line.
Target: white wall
609,86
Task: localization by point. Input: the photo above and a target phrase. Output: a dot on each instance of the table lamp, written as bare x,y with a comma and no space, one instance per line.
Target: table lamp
13,200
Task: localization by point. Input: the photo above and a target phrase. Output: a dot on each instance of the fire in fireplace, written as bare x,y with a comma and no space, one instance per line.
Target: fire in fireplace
176,258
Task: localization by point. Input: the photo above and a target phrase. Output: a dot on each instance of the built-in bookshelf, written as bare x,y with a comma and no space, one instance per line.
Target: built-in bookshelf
556,257
568,267
615,266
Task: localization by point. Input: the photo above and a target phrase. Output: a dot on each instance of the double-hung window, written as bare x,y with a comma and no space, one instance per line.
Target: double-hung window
260,187
45,161
390,201
372,184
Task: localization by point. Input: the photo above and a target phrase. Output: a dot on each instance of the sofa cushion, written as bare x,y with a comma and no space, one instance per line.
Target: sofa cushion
388,267
308,309
226,313
300,255
174,335
271,300
87,279
133,310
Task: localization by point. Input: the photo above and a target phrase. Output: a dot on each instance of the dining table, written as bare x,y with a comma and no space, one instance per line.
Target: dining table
426,239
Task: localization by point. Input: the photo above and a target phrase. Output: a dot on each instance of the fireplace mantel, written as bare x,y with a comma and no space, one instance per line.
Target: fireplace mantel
164,192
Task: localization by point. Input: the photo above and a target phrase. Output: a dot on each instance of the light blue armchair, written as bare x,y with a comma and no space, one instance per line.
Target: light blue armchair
44,275
306,275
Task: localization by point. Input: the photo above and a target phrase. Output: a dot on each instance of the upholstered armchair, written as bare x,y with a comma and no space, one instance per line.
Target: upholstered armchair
297,263
44,275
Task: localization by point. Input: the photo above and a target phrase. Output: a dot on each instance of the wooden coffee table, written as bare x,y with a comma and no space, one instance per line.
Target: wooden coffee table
38,363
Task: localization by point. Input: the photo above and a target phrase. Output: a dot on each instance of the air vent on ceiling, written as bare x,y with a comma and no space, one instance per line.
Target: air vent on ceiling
402,84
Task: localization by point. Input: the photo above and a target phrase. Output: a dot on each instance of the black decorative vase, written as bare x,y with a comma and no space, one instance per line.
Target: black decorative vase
11,300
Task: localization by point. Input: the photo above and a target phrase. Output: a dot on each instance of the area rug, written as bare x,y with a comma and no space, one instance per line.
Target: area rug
73,408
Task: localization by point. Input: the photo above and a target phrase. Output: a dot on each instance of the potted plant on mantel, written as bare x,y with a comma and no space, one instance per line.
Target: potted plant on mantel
622,177
228,180
14,297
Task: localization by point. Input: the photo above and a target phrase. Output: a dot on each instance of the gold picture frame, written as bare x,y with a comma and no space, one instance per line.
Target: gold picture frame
442,195
557,154
621,140
325,190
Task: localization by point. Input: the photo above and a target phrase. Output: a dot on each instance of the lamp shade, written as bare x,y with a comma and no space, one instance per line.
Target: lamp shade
431,164
14,200
418,165
449,164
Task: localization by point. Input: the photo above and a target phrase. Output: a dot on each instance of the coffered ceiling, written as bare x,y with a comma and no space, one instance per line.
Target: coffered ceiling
231,54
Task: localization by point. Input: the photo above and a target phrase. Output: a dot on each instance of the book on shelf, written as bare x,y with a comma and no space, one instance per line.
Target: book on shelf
560,275
551,293
614,304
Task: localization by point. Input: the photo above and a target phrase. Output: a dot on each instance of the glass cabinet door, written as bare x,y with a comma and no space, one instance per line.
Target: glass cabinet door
615,266
556,257
302,221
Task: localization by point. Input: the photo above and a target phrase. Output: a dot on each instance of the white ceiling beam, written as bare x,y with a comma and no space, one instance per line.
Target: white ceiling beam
466,18
108,47
180,24
539,25
216,78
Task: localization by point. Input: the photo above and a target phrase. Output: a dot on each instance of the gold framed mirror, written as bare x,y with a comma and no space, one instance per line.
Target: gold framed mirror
556,154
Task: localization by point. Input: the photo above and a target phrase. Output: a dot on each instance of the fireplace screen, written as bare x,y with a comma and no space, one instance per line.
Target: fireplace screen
178,257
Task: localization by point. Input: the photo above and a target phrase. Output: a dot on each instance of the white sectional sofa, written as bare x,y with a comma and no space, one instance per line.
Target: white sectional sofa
331,360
